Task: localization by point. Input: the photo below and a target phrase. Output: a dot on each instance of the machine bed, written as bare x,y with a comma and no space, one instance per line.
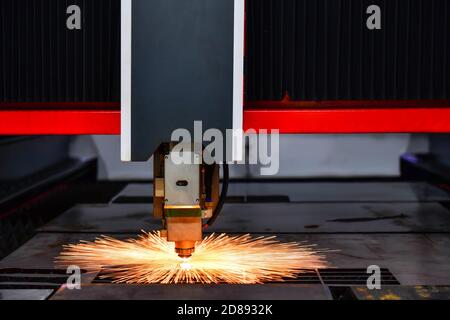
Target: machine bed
403,227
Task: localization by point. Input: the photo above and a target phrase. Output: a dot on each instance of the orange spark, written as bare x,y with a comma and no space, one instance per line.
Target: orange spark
217,259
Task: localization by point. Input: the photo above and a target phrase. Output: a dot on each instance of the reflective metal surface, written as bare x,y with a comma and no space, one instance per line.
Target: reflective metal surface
409,238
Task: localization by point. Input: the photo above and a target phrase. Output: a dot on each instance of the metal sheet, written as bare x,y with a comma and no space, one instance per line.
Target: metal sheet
268,218
410,239
333,218
21,294
196,292
40,251
101,219
324,191
344,191
414,259
136,190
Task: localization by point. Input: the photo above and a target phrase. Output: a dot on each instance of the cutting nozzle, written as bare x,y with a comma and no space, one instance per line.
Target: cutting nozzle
185,249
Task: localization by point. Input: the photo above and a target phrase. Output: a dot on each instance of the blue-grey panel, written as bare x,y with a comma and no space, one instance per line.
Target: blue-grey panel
182,69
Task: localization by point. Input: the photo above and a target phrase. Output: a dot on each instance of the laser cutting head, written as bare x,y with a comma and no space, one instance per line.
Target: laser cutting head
184,194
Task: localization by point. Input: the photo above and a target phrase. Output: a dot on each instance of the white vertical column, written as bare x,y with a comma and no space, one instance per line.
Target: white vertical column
125,69
238,79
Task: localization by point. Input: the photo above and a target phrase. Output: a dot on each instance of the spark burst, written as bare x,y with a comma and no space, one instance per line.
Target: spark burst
217,259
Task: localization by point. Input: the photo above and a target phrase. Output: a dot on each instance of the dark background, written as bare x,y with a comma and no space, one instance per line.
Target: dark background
308,49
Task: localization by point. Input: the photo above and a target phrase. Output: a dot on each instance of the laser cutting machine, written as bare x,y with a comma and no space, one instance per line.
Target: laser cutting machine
163,90
177,71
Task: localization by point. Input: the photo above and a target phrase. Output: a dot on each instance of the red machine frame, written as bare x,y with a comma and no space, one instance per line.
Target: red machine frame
427,116
289,117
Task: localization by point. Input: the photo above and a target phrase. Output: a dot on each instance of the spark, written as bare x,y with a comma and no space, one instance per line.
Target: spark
217,259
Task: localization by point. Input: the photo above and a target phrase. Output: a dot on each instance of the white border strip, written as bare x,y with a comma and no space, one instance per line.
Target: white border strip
125,79
238,79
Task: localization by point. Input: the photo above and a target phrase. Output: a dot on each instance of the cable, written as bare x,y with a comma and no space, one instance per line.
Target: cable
222,198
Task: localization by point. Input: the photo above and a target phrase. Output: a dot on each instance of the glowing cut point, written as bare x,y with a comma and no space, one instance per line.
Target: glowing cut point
185,265
217,259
